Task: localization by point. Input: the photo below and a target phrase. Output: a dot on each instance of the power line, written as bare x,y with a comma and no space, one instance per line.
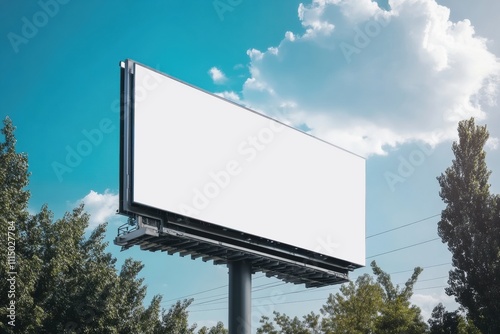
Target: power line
397,228
264,297
278,284
204,291
224,295
274,284
323,289
432,266
301,301
262,287
260,305
211,301
195,293
398,249
425,280
432,287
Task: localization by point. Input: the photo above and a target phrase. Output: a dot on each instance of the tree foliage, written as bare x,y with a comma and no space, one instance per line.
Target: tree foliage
355,309
66,282
397,313
217,329
176,319
362,307
470,225
286,325
444,322
14,177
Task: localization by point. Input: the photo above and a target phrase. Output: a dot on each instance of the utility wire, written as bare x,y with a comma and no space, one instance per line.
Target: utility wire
204,291
432,287
195,293
300,301
274,284
307,300
323,289
398,249
425,280
406,225
260,305
432,266
262,287
370,236
263,297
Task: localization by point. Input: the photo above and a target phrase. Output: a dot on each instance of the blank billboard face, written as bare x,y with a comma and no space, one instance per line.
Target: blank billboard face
200,156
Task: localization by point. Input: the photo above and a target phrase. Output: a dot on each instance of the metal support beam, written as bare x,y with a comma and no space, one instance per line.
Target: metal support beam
240,297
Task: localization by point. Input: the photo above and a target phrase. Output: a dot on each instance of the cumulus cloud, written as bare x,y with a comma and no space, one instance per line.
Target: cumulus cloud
101,207
290,36
367,79
492,143
217,76
427,302
229,95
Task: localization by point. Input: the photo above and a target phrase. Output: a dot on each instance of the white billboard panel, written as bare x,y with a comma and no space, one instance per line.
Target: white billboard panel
200,156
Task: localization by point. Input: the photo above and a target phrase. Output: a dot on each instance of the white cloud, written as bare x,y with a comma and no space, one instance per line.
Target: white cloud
229,95
492,143
311,18
290,36
255,54
208,323
273,50
101,207
217,75
427,302
367,79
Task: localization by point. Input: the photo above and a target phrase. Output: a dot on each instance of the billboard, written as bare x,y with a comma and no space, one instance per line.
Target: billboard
236,174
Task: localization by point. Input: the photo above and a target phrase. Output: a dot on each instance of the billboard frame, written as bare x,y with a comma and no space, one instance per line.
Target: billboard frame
158,230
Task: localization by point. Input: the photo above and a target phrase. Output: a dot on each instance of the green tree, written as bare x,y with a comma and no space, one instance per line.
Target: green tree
14,178
470,225
176,319
217,329
355,309
397,315
67,282
364,307
444,322
286,325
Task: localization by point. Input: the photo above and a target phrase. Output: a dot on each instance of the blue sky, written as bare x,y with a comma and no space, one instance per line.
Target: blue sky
388,82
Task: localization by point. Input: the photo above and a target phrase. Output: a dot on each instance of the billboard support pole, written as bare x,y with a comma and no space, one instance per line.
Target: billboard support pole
240,297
